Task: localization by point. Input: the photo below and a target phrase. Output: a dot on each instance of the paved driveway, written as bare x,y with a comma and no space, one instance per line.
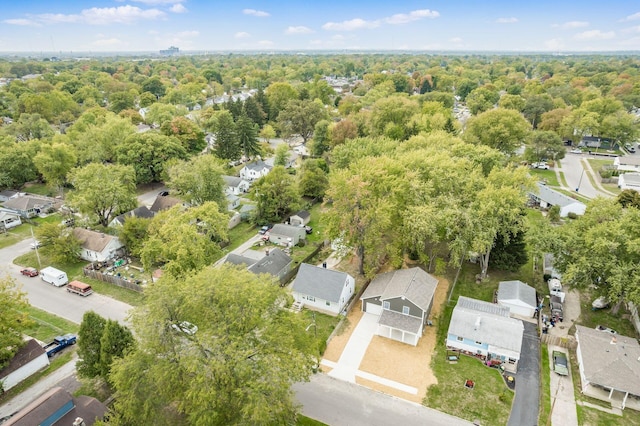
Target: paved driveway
563,402
524,411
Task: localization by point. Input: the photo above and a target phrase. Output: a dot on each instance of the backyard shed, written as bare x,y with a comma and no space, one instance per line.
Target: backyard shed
519,297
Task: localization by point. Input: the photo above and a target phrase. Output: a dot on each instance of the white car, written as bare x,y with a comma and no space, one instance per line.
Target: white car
543,166
34,245
185,327
576,151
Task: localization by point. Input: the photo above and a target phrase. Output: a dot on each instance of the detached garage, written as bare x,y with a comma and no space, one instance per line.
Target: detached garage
519,297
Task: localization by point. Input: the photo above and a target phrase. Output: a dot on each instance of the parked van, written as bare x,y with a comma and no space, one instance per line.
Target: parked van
555,286
80,288
54,276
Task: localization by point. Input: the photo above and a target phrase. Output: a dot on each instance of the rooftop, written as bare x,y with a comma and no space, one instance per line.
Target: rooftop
325,284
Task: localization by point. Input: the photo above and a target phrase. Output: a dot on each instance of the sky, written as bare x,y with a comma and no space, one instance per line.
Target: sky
289,25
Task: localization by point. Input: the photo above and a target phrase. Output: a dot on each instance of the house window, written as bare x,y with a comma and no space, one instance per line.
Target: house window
328,303
479,352
405,310
512,361
386,305
311,298
478,343
460,338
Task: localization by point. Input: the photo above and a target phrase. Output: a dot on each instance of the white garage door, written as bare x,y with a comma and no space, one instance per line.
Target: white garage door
373,308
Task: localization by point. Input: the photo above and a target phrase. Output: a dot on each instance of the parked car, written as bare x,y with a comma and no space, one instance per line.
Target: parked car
560,365
163,193
606,329
34,245
542,165
308,230
629,147
576,151
30,272
264,229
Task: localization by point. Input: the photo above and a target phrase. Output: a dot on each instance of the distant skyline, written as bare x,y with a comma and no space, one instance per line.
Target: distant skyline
151,25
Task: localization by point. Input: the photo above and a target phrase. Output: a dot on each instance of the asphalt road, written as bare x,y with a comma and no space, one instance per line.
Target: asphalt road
335,402
57,300
524,411
576,176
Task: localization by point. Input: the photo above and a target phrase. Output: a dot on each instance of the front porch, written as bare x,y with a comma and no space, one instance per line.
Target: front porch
616,398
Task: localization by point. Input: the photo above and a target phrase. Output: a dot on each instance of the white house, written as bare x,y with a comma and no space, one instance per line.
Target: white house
629,181
235,185
255,170
519,297
301,218
233,202
323,289
30,359
96,246
286,235
627,163
609,367
485,330
9,219
548,198
402,299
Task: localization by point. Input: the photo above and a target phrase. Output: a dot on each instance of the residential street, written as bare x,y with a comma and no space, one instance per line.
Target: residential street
524,411
56,299
336,402
577,176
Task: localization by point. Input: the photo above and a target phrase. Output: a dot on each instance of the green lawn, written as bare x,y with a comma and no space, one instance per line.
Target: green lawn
548,176
47,326
545,383
590,318
23,231
324,326
598,163
307,421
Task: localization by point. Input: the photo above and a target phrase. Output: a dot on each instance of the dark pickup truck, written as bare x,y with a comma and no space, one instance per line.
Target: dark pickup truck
59,343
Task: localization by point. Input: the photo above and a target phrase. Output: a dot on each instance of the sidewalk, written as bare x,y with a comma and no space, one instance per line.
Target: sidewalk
21,400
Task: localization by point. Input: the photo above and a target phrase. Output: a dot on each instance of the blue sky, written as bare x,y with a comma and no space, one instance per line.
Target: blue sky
150,25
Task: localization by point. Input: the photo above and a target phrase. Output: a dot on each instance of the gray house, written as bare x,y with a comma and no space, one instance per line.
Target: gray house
323,289
275,263
403,300
519,297
547,198
235,185
300,219
141,212
28,206
286,235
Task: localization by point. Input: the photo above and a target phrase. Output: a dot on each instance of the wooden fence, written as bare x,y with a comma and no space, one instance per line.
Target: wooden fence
568,342
111,279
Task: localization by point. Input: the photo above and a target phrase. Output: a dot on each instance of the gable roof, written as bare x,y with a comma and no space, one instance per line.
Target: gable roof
30,351
142,212
5,214
274,262
286,230
629,179
302,214
517,291
233,181
610,365
487,323
236,259
258,166
92,240
554,198
8,193
325,284
163,203
413,284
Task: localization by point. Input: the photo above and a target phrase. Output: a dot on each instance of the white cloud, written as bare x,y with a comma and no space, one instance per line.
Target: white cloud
633,17
242,34
258,13
511,20
397,19
404,18
635,29
554,44
188,34
298,30
22,22
265,43
103,16
178,8
457,40
595,35
110,42
571,25
350,25
155,1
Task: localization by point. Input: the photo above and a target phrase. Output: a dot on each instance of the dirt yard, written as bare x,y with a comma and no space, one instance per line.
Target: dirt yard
390,359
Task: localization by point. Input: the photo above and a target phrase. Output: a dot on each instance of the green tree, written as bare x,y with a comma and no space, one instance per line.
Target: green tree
198,180
281,155
299,117
120,101
320,143
154,85
148,153
16,165
224,130
278,96
276,195
13,321
482,99
185,241
133,234
509,256
58,242
502,129
629,198
187,132
89,336
54,162
247,136
115,342
313,180
103,191
267,133
544,144
535,106
237,368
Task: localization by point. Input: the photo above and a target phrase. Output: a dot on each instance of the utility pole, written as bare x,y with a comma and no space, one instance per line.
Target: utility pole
35,246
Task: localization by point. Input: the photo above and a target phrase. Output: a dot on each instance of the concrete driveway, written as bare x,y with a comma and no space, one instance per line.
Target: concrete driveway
524,411
563,402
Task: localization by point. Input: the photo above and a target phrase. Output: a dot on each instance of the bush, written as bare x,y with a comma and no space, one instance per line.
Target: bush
572,215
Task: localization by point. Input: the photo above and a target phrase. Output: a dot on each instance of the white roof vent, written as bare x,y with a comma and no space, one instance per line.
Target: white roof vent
477,324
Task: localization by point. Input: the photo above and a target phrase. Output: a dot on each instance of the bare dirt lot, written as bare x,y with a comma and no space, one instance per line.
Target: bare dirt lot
390,359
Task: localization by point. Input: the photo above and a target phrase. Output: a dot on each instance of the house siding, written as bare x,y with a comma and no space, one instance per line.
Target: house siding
317,303
467,344
25,371
373,300
397,303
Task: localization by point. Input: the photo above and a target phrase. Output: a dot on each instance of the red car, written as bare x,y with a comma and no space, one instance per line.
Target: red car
30,272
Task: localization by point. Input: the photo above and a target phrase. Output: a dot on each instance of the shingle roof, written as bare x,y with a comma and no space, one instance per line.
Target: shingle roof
236,259
258,166
554,198
142,212
517,290
629,160
286,230
163,203
92,240
630,178
30,351
400,321
273,263
414,284
26,203
302,214
232,181
610,365
325,284
486,323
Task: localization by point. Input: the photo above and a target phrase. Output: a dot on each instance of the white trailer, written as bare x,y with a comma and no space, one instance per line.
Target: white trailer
54,276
